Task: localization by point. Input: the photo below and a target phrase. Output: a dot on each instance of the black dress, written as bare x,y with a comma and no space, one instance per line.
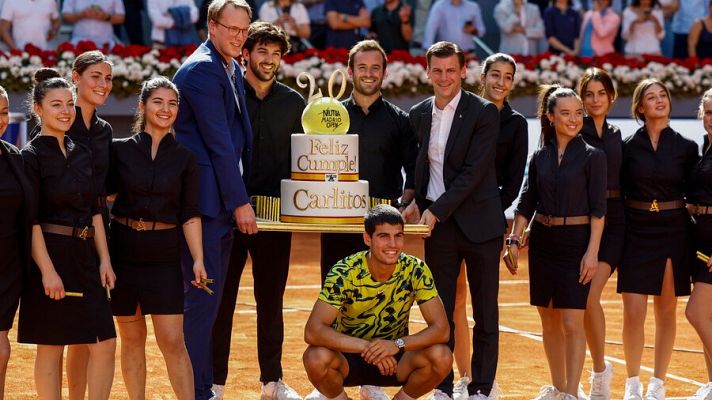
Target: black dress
613,239
14,202
574,187
165,189
63,188
653,237
701,194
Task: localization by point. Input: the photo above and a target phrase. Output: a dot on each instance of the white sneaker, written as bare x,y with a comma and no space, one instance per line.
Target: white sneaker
439,395
494,394
369,392
548,392
601,383
656,389
315,395
218,392
703,393
566,396
459,391
278,391
633,389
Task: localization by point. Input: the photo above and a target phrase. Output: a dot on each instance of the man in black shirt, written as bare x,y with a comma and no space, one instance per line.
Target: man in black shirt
266,98
391,25
386,145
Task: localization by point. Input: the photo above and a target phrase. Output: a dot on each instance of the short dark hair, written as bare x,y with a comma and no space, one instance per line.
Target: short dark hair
445,50
363,46
261,32
379,215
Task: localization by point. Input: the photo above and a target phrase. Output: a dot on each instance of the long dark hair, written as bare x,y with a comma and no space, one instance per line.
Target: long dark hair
497,58
548,96
147,90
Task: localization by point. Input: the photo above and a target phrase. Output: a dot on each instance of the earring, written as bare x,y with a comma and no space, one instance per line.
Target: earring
551,124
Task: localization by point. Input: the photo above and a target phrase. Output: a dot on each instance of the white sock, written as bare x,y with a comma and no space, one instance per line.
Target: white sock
341,396
633,380
658,381
401,395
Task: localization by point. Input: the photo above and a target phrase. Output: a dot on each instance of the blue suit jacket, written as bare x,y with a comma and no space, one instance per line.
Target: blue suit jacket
210,125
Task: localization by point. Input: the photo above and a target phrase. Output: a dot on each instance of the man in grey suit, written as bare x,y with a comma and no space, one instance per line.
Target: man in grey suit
457,196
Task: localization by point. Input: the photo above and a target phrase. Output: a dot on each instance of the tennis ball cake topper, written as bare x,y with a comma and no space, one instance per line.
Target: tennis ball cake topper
324,115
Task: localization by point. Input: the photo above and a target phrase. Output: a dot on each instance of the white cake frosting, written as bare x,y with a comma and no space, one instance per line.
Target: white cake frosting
325,158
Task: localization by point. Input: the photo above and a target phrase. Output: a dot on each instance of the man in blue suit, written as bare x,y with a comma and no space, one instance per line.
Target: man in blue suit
213,122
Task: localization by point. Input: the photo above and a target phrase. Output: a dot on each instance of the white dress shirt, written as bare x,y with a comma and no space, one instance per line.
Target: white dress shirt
439,133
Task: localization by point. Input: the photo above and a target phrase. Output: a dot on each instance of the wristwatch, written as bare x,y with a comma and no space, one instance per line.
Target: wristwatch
345,17
401,345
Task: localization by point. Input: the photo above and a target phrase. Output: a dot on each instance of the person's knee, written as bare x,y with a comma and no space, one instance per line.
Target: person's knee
572,325
171,343
133,335
439,357
105,348
317,361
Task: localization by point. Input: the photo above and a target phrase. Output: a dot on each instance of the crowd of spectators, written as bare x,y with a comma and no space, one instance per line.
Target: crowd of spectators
584,28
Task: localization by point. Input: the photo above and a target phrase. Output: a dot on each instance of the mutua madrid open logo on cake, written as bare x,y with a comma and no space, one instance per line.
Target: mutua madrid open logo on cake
324,115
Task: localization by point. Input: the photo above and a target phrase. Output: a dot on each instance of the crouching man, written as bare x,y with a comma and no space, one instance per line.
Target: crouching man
358,329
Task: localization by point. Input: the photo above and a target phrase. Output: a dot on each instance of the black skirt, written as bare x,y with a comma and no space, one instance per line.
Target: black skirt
10,280
613,238
555,255
702,240
70,320
148,271
651,238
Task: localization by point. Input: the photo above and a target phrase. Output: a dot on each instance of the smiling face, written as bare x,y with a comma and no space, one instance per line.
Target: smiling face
655,103
4,114
56,111
498,82
228,34
264,60
160,110
567,116
94,84
386,243
368,72
446,75
596,100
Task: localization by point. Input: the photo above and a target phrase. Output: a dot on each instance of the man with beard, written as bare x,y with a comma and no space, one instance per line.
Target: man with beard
386,145
266,98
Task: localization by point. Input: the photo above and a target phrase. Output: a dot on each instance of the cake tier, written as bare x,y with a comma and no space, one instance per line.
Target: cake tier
325,158
324,202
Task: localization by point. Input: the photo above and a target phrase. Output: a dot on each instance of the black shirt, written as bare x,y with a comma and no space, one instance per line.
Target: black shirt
701,182
386,144
62,186
386,24
164,189
273,120
575,187
11,198
610,143
662,175
511,158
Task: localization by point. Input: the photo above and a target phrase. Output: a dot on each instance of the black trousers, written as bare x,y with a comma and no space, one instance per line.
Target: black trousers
270,266
680,45
445,250
335,246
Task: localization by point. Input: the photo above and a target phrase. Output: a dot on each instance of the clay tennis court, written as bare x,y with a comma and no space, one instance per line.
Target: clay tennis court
522,365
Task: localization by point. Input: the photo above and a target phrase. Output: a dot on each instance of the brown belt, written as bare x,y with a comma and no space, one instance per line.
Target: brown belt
549,220
613,194
655,206
81,232
141,225
699,209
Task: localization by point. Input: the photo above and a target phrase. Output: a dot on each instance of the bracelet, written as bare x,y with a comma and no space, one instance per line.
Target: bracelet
510,241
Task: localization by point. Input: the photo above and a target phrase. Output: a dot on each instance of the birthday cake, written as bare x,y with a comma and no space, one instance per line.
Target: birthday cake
324,187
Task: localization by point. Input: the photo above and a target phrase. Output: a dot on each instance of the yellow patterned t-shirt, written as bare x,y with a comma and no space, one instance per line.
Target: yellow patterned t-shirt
369,309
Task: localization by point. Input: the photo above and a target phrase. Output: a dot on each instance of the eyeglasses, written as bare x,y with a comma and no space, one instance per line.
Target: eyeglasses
233,30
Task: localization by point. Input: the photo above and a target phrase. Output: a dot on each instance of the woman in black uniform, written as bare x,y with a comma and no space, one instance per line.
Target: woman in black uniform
497,79
64,300
698,308
598,94
15,233
566,187
657,163
156,181
92,77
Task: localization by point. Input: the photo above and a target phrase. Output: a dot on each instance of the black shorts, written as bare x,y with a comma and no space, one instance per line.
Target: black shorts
362,373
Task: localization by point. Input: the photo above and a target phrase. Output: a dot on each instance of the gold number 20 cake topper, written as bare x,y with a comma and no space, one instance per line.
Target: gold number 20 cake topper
324,115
